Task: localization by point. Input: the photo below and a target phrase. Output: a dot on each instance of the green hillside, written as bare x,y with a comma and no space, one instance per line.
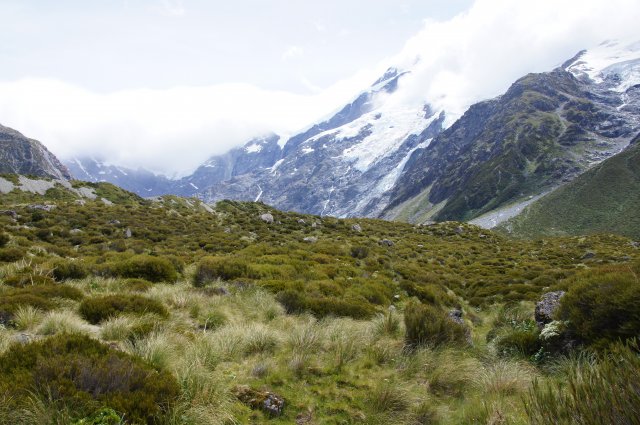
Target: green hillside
120,310
605,199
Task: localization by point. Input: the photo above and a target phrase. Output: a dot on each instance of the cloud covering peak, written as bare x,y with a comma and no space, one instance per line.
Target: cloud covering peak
456,62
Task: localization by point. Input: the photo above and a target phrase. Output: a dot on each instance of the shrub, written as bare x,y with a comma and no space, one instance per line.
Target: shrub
605,393
212,268
429,326
603,308
97,309
81,375
137,285
153,269
523,341
297,302
11,254
66,270
9,304
4,239
28,279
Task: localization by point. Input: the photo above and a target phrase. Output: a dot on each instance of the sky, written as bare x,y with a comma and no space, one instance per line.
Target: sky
164,84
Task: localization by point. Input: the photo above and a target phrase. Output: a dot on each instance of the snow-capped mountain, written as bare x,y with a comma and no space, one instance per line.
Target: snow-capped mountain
386,155
544,131
346,165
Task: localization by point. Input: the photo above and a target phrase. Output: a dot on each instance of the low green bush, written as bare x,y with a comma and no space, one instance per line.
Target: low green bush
4,239
67,270
95,310
603,308
605,393
11,254
519,342
137,285
296,302
153,269
40,297
427,325
82,375
225,268
28,279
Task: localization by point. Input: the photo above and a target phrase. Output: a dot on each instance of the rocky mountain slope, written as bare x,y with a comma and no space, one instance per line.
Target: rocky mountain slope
21,155
604,199
381,156
545,130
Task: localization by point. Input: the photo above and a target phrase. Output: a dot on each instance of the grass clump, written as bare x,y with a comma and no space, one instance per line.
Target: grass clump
97,309
602,308
80,375
429,326
153,269
605,393
11,254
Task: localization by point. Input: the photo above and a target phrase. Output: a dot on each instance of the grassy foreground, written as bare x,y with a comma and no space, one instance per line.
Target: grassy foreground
170,312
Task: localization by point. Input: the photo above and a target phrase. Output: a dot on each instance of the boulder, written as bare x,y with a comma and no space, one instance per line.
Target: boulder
270,403
310,239
127,233
267,218
546,307
455,315
386,242
356,228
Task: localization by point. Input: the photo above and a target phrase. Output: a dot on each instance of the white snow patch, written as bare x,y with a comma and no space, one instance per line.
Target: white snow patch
79,163
307,150
610,58
275,166
194,186
259,194
388,132
253,148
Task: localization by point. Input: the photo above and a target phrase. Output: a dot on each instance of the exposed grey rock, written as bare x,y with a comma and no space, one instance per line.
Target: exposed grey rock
356,228
546,307
75,231
127,233
23,338
10,213
268,402
455,315
301,221
267,218
589,255
310,239
314,225
41,207
21,155
386,242
114,222
459,230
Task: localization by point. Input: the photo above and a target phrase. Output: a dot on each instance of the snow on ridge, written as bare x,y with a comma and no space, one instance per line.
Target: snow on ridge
253,148
389,129
609,58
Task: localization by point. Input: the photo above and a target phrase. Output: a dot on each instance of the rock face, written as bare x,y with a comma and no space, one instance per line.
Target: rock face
21,155
266,401
546,307
545,130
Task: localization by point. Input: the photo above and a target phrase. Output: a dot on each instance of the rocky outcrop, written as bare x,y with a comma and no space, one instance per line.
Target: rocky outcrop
270,403
546,307
21,155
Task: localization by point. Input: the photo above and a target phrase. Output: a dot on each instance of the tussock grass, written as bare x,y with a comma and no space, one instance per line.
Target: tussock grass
57,322
27,318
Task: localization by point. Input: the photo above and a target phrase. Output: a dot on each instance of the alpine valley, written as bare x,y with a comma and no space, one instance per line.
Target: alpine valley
381,156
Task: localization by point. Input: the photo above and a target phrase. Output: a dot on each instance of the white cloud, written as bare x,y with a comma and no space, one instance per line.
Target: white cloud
479,53
170,131
471,57
172,8
292,52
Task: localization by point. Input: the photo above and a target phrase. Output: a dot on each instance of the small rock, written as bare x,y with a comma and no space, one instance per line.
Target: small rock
267,218
80,202
455,315
310,239
227,229
10,213
23,338
75,231
41,207
314,224
114,222
386,242
266,401
635,244
127,233
588,255
356,228
546,307
301,221
396,297
459,230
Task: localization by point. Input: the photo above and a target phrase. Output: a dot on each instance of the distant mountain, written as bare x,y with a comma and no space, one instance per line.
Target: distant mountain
345,165
21,155
604,199
545,130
